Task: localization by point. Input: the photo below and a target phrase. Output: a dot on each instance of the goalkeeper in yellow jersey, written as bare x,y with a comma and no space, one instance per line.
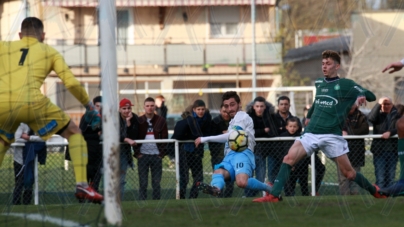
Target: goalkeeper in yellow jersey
24,65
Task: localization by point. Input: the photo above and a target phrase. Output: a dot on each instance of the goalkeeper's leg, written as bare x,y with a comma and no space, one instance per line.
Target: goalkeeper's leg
3,149
79,156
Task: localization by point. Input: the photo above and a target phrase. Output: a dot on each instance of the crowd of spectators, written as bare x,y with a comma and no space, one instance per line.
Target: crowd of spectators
268,121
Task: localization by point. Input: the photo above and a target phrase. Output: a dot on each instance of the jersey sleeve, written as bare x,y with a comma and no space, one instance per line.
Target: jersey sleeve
222,138
370,96
69,80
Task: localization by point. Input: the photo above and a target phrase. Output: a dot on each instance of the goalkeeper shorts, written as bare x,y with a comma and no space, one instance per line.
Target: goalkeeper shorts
44,118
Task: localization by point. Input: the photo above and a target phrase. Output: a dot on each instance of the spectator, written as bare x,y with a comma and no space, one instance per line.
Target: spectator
149,155
400,109
356,124
161,108
219,125
383,116
129,128
280,117
195,123
260,112
94,147
305,111
22,135
300,172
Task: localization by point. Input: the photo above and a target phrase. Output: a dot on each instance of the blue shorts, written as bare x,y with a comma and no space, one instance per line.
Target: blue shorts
238,162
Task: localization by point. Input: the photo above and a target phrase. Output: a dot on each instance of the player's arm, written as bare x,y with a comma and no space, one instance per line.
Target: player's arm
222,138
69,80
18,134
311,110
395,66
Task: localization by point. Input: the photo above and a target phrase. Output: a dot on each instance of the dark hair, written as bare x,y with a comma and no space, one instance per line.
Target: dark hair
32,26
293,120
333,55
283,97
400,109
259,99
198,103
230,94
97,99
148,99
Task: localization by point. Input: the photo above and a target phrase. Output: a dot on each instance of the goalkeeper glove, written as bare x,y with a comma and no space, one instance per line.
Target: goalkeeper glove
92,116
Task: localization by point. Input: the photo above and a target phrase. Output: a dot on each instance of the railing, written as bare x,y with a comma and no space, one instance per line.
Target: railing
55,184
83,55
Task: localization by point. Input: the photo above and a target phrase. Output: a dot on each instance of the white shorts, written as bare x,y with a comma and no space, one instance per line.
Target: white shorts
331,145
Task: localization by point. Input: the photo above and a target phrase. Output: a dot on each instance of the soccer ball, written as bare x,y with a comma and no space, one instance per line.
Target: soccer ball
238,140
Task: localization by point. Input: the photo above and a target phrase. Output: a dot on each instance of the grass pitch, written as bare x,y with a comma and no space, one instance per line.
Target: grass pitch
330,211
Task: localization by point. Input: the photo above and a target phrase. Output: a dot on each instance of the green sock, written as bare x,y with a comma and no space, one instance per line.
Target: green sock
401,157
281,179
364,183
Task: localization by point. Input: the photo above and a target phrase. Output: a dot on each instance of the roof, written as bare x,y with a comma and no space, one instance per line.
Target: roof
155,3
339,44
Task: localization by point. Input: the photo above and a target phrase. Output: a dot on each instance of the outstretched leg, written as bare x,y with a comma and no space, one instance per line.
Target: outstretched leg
79,156
348,171
295,154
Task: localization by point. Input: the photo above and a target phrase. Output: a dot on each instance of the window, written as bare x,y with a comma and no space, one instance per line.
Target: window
67,102
122,20
224,21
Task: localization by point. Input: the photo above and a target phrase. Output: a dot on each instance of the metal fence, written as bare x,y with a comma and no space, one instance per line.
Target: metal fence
55,182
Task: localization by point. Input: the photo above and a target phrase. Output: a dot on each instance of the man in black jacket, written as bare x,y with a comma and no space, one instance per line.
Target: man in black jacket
195,123
129,127
383,116
219,125
94,148
275,155
261,112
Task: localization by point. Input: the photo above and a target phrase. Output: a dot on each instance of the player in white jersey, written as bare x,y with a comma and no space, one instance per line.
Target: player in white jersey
236,166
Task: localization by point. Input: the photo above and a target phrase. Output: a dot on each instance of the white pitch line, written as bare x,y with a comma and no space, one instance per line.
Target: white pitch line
40,217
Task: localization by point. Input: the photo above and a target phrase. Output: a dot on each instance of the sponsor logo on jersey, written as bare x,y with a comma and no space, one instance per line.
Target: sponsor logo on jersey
318,81
359,89
324,90
326,101
337,87
401,153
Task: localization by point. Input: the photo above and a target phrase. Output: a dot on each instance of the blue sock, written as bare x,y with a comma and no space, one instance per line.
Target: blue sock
217,181
255,184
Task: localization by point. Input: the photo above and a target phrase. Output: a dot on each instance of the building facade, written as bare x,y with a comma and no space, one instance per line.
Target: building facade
163,46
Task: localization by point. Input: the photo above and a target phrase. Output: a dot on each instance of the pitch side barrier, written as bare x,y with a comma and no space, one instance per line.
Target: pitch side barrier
54,180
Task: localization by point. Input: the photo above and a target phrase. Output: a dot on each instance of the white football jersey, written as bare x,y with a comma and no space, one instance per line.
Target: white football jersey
242,121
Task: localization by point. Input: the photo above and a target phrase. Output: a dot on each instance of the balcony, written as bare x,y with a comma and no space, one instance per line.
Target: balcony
171,55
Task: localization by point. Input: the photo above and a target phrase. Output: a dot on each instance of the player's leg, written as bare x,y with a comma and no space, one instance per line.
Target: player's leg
223,172
348,171
78,152
218,181
295,154
3,149
79,155
244,164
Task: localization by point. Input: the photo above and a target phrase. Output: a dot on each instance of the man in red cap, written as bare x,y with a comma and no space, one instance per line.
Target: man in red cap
129,127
